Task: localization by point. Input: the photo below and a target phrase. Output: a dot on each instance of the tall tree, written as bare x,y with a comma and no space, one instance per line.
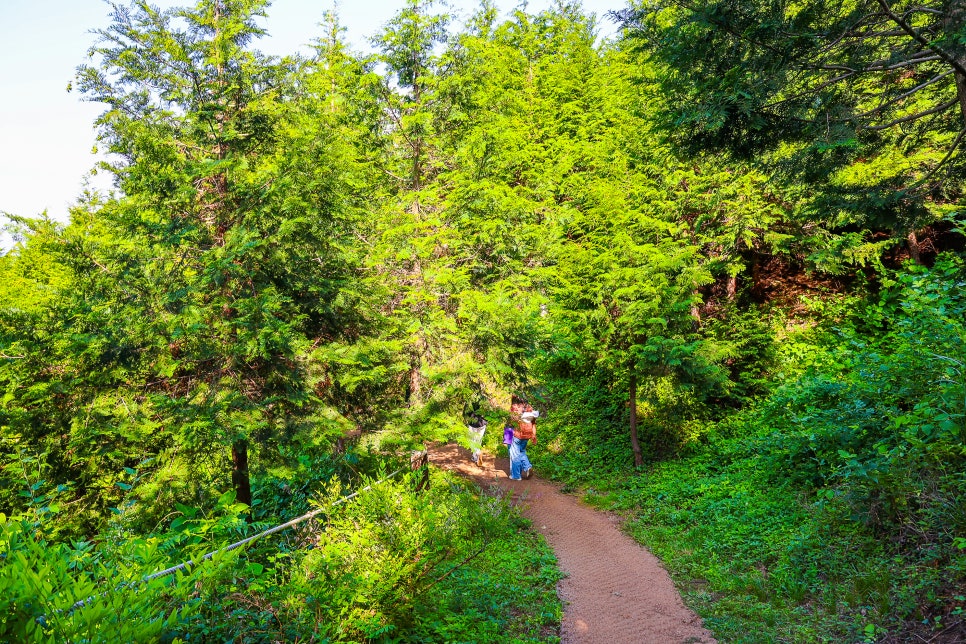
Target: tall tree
411,225
639,233
867,98
225,248
451,236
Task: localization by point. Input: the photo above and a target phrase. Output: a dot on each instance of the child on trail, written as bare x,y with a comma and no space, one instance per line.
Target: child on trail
476,426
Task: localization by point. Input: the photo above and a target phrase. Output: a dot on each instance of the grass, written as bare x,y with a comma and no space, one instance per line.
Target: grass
761,559
508,594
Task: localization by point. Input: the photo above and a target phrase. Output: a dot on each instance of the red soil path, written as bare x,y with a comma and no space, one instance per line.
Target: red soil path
614,591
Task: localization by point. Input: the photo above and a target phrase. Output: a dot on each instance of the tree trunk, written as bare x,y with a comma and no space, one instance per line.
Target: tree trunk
732,287
632,394
913,242
757,291
239,474
413,389
419,464
961,93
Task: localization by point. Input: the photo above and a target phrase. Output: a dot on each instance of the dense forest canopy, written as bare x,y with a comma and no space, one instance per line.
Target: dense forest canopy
722,253
865,99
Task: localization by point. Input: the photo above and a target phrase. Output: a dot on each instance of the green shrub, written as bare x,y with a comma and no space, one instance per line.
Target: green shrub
833,508
88,592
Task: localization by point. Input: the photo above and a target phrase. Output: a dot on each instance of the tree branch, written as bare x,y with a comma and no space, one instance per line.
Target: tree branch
811,90
914,117
900,65
845,34
921,9
456,567
865,35
882,65
912,91
946,158
942,53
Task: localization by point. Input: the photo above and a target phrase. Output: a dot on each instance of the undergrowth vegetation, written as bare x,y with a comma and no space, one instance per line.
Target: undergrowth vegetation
391,565
834,507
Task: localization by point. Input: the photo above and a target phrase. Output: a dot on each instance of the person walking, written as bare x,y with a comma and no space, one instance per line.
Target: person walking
525,431
476,427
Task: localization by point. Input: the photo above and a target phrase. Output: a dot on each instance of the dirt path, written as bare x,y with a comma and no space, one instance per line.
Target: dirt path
615,591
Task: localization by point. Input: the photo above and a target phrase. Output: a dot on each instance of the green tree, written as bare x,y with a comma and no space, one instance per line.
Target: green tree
452,239
195,292
625,283
865,99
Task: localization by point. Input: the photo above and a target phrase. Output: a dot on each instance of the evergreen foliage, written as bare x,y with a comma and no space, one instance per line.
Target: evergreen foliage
864,100
681,245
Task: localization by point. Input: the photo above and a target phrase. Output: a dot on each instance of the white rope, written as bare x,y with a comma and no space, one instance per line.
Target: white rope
237,544
278,528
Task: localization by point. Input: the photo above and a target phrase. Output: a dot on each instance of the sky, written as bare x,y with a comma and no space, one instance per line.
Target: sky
47,134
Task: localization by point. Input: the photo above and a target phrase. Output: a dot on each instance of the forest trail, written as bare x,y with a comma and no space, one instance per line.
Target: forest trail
614,591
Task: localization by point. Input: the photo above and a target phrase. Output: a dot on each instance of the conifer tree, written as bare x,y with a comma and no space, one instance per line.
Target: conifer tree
224,250
863,100
460,327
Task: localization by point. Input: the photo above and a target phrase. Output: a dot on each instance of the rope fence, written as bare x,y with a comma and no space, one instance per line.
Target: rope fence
265,533
419,462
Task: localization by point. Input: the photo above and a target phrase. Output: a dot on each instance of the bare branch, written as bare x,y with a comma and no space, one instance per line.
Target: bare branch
946,158
865,35
882,65
905,63
942,53
913,117
921,9
835,68
893,101
845,34
806,92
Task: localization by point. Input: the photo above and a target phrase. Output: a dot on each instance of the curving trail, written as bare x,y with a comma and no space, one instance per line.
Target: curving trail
614,591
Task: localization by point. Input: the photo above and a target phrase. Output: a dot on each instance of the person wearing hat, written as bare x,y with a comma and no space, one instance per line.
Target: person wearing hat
525,431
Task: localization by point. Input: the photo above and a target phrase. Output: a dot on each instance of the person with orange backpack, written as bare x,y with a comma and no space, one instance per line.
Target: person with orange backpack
526,430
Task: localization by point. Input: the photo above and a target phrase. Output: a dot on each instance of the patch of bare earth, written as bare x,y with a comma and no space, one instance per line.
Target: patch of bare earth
614,591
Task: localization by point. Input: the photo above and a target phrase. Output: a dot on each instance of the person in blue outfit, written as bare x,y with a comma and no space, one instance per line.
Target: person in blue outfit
524,432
